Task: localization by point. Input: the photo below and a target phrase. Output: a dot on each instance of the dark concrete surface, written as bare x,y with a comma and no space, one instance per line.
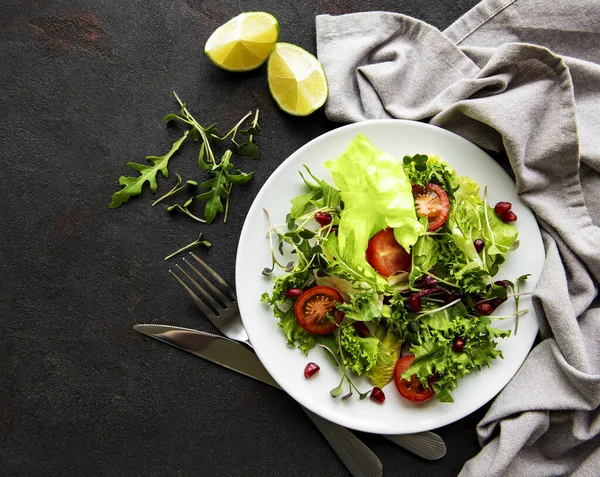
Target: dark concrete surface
85,85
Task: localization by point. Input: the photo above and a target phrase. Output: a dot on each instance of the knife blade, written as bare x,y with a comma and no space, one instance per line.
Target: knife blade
356,456
242,359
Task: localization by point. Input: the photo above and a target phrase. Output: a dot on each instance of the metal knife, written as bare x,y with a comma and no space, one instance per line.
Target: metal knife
356,456
240,358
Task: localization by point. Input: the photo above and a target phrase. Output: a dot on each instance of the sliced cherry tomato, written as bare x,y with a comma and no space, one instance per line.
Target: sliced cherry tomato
313,308
413,389
386,255
432,202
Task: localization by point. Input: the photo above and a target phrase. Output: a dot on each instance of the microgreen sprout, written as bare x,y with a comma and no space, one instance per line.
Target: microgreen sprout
195,243
184,209
520,280
178,186
449,305
198,131
337,391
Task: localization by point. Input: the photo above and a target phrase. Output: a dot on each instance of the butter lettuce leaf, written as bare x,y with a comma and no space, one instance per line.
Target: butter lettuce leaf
376,193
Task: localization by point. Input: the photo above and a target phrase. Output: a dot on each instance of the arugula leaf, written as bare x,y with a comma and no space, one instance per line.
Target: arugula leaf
219,186
301,202
133,185
320,194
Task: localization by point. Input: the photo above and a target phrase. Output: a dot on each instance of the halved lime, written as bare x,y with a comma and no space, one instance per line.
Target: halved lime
296,79
244,42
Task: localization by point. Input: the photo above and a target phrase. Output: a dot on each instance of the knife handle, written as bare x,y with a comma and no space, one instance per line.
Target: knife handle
356,456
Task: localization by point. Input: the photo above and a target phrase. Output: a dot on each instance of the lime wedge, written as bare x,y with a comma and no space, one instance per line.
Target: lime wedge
296,80
244,42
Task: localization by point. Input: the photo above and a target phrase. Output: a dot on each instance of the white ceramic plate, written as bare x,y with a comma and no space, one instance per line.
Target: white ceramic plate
286,365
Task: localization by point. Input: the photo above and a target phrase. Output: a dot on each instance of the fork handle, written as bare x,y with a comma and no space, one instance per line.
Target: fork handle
427,445
356,456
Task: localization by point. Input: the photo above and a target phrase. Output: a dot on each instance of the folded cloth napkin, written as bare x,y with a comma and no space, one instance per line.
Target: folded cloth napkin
521,76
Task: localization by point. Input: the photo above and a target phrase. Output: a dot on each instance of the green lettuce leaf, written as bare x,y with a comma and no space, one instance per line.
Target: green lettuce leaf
432,347
376,193
360,354
295,334
364,306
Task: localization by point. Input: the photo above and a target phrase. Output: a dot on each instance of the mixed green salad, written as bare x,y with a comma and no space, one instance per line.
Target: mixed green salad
393,272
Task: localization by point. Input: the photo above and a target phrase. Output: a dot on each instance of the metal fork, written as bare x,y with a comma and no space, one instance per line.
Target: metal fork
219,305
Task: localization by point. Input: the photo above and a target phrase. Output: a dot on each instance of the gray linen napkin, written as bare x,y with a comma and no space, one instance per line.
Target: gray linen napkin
521,76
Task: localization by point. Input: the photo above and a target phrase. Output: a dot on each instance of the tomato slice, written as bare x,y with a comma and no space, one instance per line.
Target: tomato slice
432,202
413,389
386,255
313,306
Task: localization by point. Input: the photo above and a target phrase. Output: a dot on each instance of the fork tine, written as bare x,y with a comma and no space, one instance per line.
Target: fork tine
218,293
215,275
217,308
221,295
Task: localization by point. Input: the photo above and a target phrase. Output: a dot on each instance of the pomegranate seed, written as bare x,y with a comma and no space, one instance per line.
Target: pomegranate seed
509,216
414,302
361,329
334,229
293,292
458,344
502,207
310,369
484,308
479,245
377,395
323,218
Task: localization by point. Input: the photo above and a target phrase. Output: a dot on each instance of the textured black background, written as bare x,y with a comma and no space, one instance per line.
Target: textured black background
84,87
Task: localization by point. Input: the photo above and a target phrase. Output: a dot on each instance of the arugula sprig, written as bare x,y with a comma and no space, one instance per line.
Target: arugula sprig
133,185
197,131
247,148
219,185
223,174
